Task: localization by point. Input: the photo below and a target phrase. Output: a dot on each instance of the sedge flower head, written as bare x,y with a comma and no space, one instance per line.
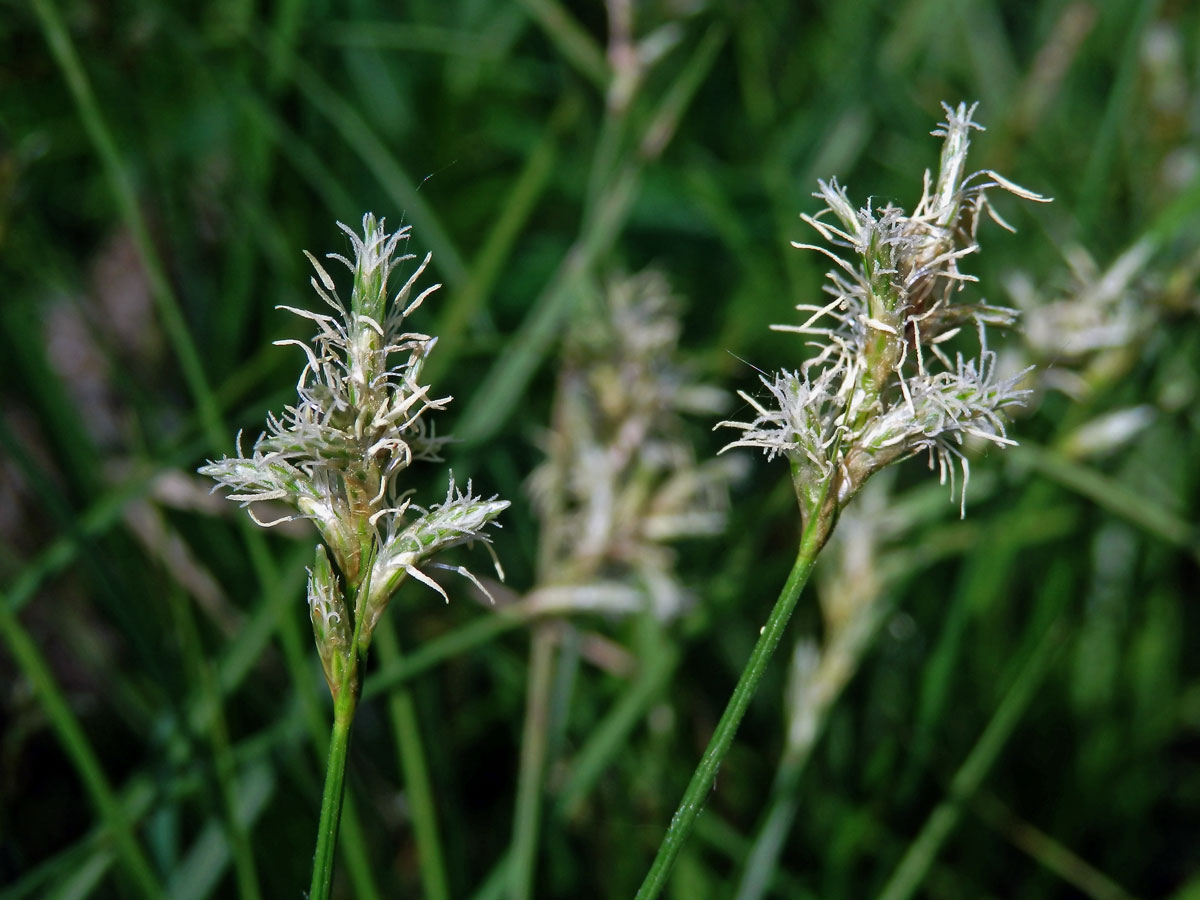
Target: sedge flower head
620,483
881,385
361,419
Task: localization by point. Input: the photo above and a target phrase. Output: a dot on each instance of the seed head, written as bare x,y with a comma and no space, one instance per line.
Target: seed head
880,385
359,421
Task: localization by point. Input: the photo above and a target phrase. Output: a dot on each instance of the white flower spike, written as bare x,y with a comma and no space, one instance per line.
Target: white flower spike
881,386
359,421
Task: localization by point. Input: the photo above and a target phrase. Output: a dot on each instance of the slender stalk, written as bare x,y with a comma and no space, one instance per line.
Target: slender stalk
813,539
331,799
533,759
353,849
125,196
839,662
406,728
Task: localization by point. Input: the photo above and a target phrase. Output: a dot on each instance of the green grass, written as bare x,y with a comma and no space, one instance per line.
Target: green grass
1022,722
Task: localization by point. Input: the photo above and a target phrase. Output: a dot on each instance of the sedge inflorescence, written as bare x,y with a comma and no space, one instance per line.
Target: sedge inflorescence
620,484
881,385
336,455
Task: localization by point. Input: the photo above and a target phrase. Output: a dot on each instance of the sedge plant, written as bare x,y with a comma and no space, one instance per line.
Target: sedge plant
337,457
880,386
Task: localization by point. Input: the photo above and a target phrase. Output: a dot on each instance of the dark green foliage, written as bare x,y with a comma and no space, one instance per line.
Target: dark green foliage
1025,721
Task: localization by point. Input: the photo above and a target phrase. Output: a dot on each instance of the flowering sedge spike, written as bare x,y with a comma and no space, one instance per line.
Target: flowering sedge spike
881,386
620,482
336,455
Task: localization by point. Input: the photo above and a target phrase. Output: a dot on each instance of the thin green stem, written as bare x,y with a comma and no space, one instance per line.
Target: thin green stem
840,659
407,732
533,760
706,772
331,799
124,193
345,702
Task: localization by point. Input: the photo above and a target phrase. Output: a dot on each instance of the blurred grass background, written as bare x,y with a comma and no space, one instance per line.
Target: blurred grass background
1026,719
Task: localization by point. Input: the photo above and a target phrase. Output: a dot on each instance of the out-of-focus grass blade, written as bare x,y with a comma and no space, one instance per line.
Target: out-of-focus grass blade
475,633
1113,496
79,749
986,575
1093,190
81,862
202,869
349,123
607,738
923,851
410,36
498,245
126,200
573,42
503,388
84,881
1047,851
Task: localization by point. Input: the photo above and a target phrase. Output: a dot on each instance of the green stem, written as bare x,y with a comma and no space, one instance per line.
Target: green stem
407,732
840,659
533,759
706,772
353,848
331,799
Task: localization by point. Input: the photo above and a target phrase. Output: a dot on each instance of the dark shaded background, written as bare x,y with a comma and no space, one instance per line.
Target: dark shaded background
161,168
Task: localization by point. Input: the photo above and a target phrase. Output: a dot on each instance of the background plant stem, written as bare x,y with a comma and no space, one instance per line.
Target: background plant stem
407,732
201,672
533,760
